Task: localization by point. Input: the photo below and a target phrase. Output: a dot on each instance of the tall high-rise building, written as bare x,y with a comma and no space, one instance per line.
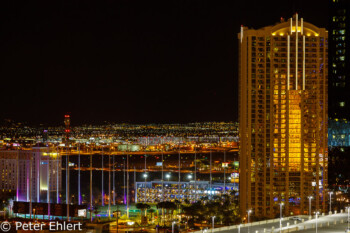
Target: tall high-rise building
283,72
30,174
339,76
339,60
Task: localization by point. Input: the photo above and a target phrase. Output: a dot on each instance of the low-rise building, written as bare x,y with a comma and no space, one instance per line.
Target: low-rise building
157,191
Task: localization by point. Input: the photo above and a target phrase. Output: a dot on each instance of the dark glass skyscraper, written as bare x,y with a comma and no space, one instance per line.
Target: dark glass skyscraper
339,60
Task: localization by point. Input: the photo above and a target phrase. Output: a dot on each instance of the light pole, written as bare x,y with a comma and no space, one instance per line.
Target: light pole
168,176
113,180
79,193
330,201
239,228
102,167
316,220
281,204
91,207
145,176
310,198
172,227
249,212
213,221
348,208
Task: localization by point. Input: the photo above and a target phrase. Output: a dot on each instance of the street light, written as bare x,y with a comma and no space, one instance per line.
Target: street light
249,211
310,198
348,215
189,176
145,176
316,220
213,219
172,227
281,204
168,176
330,201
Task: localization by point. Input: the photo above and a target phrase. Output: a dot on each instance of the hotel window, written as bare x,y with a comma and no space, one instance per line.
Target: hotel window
342,104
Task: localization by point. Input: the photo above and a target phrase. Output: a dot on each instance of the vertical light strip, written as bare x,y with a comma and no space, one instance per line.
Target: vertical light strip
291,26
303,62
296,51
288,60
241,33
302,26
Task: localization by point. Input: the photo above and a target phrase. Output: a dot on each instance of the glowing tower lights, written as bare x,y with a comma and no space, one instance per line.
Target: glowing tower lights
283,117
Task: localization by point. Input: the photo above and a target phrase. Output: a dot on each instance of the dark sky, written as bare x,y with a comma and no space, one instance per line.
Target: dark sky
129,61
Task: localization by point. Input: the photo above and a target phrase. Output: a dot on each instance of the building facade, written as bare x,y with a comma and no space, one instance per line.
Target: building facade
33,174
157,191
338,133
339,54
283,72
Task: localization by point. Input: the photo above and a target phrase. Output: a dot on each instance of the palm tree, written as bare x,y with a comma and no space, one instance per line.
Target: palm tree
4,205
143,207
161,205
152,211
171,206
178,205
96,211
168,206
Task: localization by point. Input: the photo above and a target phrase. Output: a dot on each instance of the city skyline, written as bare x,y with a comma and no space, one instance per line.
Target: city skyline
139,62
175,116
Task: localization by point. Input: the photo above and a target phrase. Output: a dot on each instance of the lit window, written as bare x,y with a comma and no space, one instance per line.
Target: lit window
342,104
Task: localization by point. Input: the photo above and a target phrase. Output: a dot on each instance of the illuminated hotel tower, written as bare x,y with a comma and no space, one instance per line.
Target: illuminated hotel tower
283,118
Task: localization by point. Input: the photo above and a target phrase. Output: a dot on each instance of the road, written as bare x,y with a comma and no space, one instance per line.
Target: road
325,224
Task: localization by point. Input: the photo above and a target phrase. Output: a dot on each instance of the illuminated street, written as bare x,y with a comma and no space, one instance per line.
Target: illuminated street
330,224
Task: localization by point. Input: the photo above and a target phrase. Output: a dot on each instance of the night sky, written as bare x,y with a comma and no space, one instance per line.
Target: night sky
129,61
